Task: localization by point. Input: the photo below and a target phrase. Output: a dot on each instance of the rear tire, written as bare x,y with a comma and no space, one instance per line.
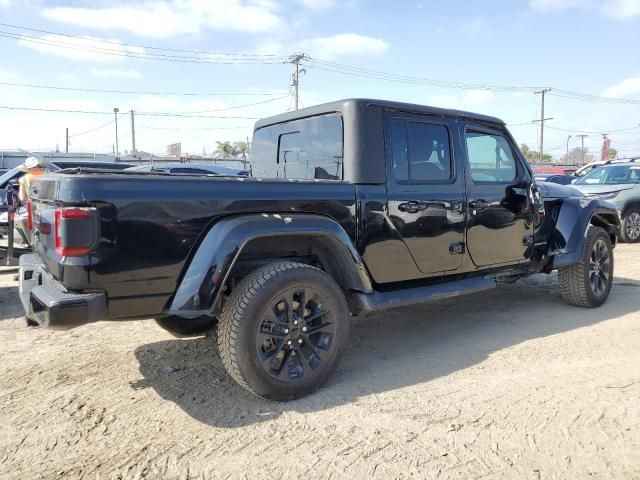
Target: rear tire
630,228
283,330
187,327
588,283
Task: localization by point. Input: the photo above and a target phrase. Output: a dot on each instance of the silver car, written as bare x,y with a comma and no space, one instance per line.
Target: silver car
619,183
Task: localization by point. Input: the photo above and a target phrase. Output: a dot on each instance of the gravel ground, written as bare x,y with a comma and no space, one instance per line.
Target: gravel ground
510,383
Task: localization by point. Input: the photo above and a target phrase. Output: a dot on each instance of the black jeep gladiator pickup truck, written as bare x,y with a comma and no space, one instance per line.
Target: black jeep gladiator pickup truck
354,206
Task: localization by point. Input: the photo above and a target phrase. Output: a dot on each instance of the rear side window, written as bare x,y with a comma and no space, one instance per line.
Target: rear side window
490,157
308,148
421,151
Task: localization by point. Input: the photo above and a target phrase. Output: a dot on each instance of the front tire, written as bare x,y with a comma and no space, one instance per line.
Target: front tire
630,228
588,283
283,330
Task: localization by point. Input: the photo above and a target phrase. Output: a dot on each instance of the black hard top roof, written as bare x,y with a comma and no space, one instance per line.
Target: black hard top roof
348,104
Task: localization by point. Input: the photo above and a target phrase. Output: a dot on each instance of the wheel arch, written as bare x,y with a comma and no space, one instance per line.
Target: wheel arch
235,244
570,231
631,203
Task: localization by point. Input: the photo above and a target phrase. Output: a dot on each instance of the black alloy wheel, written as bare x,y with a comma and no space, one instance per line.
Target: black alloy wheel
599,267
295,334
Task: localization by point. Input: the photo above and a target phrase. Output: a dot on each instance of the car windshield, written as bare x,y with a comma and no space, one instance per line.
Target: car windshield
9,175
611,175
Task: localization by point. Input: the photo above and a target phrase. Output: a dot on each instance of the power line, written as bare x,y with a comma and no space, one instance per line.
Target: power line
599,132
92,130
135,92
591,98
130,53
148,47
146,114
381,75
241,106
196,128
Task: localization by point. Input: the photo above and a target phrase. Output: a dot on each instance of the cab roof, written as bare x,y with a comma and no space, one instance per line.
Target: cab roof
356,104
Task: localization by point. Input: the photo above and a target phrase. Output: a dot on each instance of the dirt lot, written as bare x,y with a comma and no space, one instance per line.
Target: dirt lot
511,383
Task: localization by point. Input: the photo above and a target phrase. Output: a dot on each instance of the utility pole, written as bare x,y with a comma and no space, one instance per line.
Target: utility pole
295,77
133,136
582,145
66,149
542,120
117,151
568,138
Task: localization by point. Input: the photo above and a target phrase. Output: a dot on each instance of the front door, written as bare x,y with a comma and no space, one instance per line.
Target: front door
499,228
425,190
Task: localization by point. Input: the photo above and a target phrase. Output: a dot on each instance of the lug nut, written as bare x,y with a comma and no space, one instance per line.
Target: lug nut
295,322
304,329
289,342
299,340
286,330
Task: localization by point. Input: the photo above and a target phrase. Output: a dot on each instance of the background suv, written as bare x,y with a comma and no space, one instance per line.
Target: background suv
619,183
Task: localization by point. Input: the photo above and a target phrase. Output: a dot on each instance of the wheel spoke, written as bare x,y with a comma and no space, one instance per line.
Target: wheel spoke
324,328
315,315
283,372
264,335
305,361
302,302
318,352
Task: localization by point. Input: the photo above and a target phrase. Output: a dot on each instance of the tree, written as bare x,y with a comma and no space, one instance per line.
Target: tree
242,148
578,157
232,149
532,156
226,150
612,153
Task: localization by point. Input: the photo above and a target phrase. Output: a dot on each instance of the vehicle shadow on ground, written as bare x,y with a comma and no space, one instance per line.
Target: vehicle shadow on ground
9,308
387,351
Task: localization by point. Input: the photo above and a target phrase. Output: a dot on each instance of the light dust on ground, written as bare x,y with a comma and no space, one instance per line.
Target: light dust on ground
510,383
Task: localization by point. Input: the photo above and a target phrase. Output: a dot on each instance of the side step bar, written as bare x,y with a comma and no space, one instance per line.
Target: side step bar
376,301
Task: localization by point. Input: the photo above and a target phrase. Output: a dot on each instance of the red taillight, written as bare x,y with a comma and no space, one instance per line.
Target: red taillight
60,216
29,215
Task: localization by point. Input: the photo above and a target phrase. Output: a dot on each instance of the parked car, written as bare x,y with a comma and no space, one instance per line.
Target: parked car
582,171
555,178
189,169
355,206
549,171
620,185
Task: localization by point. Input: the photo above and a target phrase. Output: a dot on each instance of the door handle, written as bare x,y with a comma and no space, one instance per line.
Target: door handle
412,206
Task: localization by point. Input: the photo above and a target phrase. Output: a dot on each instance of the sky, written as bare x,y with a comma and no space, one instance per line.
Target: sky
487,57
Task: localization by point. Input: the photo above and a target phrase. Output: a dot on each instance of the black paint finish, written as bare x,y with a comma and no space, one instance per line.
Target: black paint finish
168,243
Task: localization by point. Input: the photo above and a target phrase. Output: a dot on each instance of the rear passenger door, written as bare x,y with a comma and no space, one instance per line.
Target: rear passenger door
500,224
425,189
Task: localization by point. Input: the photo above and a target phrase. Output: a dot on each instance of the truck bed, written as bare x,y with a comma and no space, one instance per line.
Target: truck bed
150,224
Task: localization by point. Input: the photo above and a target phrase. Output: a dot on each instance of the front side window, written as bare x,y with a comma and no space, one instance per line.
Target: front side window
308,148
490,157
420,151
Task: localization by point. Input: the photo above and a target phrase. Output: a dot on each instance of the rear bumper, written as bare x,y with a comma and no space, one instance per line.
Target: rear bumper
47,303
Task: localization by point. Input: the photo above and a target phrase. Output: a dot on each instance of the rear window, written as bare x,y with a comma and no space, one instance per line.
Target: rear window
308,148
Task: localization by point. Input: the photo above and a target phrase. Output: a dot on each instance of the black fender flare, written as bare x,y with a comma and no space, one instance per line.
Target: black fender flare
207,273
570,232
